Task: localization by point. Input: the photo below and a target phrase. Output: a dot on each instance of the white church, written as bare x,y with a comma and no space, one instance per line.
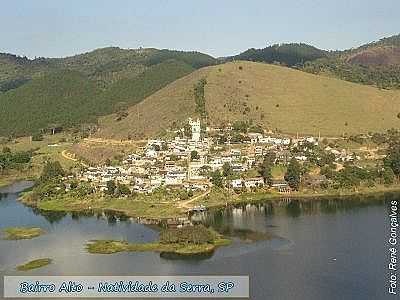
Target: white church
196,129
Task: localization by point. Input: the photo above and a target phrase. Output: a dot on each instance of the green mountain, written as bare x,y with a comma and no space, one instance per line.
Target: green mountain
16,71
376,63
37,94
75,90
285,54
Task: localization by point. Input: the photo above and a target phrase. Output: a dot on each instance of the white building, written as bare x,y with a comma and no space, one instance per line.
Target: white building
196,129
237,183
254,182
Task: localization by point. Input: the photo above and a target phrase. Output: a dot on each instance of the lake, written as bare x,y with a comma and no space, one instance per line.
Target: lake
317,249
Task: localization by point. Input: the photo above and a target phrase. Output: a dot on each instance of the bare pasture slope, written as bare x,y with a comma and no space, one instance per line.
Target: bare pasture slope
276,97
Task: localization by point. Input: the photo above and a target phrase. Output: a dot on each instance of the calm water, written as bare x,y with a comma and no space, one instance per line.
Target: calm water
330,249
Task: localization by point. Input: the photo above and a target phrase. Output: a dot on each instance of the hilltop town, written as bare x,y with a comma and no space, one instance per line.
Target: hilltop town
189,161
198,167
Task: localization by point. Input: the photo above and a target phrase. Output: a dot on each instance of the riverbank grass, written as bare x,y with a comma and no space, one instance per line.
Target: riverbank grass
34,264
22,233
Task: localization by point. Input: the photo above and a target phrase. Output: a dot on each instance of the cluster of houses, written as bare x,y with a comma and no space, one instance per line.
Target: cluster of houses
185,163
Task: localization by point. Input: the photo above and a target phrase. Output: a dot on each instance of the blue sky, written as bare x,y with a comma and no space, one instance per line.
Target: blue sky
53,28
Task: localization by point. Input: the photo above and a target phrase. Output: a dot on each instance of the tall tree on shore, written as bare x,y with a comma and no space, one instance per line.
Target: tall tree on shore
392,159
293,174
265,169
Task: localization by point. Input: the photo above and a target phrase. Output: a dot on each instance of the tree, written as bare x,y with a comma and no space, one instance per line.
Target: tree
265,170
121,109
6,149
199,97
123,189
204,170
392,159
108,162
164,146
293,174
388,176
216,179
174,157
37,137
194,155
111,187
84,189
51,170
227,169
187,130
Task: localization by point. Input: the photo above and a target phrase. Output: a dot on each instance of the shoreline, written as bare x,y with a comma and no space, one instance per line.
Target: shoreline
172,211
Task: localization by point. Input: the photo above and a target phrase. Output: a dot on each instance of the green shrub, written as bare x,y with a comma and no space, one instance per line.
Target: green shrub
189,234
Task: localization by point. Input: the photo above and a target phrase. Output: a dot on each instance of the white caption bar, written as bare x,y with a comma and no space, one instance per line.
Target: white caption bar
126,286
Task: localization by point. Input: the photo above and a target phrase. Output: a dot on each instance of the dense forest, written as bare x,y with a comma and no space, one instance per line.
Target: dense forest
42,93
284,54
13,160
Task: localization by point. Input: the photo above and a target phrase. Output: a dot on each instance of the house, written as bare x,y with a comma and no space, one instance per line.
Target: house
156,181
236,183
216,163
194,171
281,186
301,157
313,180
169,165
238,167
175,177
254,137
235,152
258,151
151,153
254,182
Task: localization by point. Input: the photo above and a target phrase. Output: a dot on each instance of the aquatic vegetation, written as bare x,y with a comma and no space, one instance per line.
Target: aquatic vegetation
34,264
21,233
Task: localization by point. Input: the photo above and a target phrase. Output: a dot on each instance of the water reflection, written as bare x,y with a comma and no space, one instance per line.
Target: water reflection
53,217
246,235
189,258
3,196
240,216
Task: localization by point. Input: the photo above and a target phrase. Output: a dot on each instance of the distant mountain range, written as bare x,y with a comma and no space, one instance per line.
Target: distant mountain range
69,92
376,63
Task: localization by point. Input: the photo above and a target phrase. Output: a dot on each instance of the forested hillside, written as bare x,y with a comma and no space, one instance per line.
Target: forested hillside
70,91
284,54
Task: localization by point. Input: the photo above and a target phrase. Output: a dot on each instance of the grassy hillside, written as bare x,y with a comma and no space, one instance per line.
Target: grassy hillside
75,90
164,109
276,97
